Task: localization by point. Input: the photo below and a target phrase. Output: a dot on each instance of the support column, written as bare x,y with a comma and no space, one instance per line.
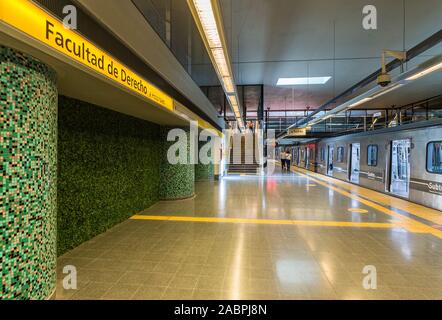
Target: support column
28,189
177,181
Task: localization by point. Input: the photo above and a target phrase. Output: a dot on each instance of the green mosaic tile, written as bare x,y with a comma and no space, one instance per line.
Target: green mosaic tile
28,189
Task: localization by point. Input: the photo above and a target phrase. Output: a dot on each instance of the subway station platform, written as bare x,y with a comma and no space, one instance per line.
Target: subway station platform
292,235
141,156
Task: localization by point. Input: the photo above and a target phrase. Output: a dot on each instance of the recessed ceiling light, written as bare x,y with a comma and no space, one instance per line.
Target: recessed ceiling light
302,81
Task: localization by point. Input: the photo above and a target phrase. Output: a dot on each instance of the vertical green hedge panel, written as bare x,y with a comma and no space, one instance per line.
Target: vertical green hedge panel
108,170
178,180
28,187
203,171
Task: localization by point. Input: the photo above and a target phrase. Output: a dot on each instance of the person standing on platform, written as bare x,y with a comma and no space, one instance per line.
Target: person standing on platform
283,158
288,159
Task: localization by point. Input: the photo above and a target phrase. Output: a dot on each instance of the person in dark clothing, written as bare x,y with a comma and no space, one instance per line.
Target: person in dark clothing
283,158
288,159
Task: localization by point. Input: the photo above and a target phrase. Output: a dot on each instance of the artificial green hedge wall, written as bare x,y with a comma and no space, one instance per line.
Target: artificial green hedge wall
204,171
108,169
178,180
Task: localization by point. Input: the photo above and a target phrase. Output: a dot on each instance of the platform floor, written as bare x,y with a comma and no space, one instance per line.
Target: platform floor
292,235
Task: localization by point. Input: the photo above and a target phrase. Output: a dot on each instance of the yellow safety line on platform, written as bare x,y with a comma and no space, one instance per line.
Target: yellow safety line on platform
406,222
420,211
270,221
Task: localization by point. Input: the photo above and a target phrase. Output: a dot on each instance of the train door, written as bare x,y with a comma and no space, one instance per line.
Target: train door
293,152
400,167
355,162
307,157
330,159
301,156
298,156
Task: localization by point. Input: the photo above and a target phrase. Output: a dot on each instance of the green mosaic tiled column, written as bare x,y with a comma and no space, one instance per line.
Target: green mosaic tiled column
28,142
177,181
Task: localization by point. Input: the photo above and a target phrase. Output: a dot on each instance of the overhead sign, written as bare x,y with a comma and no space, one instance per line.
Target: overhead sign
297,132
377,115
28,18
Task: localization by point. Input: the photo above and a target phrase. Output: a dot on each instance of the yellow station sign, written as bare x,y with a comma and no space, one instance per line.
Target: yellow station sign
297,132
30,19
25,16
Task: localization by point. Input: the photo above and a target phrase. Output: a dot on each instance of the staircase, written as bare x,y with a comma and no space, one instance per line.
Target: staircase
242,155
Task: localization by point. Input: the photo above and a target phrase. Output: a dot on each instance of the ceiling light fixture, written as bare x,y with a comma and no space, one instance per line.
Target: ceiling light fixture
328,116
360,102
228,85
425,72
233,100
389,89
302,81
207,16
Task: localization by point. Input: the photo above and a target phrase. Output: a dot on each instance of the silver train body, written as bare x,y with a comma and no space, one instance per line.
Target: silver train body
393,161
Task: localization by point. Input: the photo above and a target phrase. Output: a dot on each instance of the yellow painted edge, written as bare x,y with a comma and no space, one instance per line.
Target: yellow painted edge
269,221
357,210
406,222
420,211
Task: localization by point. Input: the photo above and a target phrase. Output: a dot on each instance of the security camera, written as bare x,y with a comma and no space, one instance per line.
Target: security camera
384,79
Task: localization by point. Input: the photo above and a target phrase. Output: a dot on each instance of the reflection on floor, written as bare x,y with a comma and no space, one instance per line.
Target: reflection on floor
302,239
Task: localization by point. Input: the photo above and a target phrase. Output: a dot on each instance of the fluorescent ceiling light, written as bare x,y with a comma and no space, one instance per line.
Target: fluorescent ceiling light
425,72
233,100
221,62
302,81
228,84
360,102
377,95
209,21
381,93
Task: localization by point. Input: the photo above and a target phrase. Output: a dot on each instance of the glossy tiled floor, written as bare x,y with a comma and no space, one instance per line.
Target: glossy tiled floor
302,240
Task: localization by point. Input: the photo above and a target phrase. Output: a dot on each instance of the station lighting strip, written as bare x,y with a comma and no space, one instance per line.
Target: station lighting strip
207,16
422,70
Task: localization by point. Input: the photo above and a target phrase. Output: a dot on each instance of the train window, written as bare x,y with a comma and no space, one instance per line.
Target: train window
434,157
340,157
372,155
322,154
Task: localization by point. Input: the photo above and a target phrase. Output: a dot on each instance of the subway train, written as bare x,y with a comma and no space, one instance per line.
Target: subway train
404,161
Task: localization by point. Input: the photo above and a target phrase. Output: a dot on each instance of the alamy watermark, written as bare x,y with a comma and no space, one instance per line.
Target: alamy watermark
370,281
370,19
193,146
70,18
70,280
